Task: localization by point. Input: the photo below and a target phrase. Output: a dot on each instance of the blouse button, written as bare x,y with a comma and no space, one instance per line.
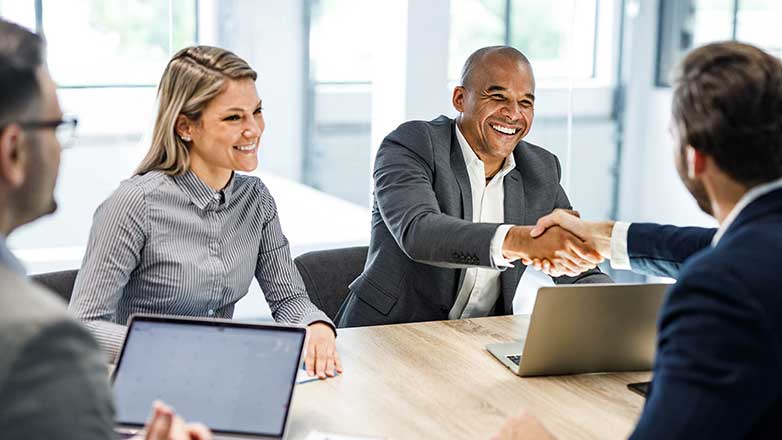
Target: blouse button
211,312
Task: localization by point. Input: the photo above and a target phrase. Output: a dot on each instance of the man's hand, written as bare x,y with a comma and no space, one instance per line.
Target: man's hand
523,426
597,235
163,424
566,253
322,357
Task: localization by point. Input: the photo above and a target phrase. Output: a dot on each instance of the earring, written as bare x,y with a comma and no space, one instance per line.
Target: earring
186,138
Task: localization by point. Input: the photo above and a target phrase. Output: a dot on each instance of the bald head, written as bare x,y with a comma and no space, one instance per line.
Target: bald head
479,60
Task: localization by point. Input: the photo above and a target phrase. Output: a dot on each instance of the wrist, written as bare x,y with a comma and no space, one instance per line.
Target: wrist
601,234
323,324
516,243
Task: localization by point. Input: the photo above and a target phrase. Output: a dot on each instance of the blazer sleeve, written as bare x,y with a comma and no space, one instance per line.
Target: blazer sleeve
716,371
661,250
58,387
405,195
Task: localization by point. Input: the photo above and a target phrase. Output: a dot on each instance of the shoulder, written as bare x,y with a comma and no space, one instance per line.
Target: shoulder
435,126
256,193
423,141
244,183
416,132
23,300
134,190
26,312
48,357
534,156
132,194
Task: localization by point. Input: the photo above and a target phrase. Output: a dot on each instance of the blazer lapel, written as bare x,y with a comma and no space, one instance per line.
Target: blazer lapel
514,214
462,178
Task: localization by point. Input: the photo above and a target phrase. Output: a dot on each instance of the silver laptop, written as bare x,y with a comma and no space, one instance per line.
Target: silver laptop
587,328
237,378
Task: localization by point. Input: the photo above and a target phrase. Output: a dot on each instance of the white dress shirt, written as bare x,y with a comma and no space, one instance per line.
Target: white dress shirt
481,287
619,254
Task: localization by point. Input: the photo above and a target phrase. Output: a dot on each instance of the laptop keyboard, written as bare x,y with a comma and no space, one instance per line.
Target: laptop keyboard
515,358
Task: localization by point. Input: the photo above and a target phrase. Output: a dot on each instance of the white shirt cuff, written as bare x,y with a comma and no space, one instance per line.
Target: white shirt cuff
495,248
619,257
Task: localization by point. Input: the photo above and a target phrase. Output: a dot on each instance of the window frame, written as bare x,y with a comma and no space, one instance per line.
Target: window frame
39,29
672,20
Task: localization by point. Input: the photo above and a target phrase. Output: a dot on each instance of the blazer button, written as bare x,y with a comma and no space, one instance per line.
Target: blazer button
444,309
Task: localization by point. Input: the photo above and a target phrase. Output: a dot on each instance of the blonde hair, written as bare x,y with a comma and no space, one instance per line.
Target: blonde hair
193,77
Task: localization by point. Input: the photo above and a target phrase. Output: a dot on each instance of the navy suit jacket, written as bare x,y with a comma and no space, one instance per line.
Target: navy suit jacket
718,370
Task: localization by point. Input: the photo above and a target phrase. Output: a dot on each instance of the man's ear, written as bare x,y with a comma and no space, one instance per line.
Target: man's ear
183,127
458,98
696,161
12,156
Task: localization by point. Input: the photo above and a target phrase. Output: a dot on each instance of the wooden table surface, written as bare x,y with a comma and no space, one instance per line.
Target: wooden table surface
436,380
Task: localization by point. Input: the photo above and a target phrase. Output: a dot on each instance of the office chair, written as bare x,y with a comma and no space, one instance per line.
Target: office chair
60,282
328,273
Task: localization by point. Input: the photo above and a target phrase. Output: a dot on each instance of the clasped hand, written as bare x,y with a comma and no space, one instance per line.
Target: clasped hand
559,244
576,245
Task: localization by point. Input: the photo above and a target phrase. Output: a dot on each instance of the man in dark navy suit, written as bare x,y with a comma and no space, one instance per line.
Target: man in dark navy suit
718,371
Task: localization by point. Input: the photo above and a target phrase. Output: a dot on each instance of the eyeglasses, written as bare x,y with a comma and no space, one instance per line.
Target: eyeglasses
64,129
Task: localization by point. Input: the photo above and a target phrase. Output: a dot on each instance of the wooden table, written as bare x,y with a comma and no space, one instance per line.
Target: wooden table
436,380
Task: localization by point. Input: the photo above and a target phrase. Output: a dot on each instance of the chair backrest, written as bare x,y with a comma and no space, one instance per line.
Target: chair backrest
327,275
60,282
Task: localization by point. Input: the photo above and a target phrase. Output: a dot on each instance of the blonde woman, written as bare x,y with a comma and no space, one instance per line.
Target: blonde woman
186,234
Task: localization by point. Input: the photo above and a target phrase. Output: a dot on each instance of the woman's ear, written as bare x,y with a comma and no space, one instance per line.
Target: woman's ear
183,128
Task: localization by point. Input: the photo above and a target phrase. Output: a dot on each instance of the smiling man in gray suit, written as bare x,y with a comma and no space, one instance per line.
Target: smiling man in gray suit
450,199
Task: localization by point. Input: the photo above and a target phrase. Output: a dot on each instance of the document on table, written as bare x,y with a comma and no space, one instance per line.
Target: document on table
317,435
303,377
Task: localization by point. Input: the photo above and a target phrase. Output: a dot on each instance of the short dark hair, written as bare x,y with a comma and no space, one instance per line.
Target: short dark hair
474,59
21,55
727,103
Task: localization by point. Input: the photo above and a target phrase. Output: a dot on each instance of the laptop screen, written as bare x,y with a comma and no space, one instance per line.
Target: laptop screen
235,378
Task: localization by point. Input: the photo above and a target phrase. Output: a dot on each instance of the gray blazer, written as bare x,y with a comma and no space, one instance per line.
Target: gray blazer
53,379
423,236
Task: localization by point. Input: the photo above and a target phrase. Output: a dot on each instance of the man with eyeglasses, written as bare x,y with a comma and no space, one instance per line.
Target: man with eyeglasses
53,379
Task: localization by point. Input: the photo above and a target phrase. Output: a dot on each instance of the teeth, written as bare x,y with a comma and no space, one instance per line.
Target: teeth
504,130
245,147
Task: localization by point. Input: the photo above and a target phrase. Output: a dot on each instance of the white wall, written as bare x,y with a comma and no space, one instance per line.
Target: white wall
650,189
269,35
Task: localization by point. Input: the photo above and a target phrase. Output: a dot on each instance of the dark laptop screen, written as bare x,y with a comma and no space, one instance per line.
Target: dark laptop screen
232,377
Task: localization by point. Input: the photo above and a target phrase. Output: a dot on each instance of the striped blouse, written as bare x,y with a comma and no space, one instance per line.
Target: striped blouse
172,245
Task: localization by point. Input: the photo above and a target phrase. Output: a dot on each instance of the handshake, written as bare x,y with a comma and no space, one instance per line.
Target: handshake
560,243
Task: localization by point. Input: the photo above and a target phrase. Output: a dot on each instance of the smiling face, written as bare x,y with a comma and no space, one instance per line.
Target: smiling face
496,106
227,136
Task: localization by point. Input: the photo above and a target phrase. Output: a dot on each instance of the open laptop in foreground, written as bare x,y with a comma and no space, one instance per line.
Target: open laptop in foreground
237,378
587,328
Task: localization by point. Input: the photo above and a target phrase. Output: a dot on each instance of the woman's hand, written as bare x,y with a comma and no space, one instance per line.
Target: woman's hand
322,358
